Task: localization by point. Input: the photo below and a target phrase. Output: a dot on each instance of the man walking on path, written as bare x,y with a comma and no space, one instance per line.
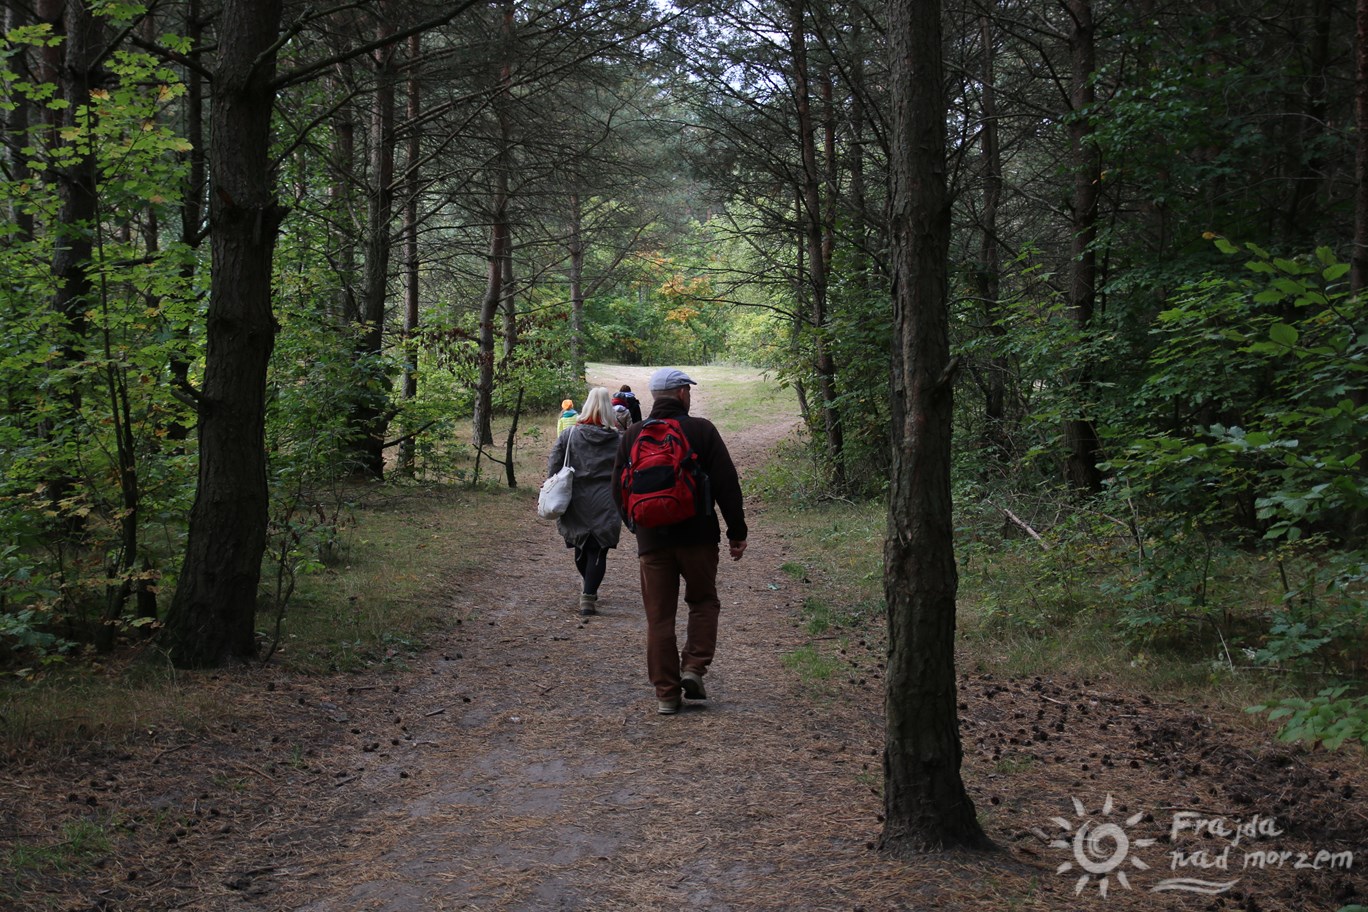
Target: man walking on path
687,549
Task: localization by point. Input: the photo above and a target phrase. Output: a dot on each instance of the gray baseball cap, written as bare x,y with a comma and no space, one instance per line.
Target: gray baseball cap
668,378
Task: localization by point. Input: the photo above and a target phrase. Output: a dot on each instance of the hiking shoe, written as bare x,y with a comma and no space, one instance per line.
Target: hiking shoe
692,682
669,707
587,603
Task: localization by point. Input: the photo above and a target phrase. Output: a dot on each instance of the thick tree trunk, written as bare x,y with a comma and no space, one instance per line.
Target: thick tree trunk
484,391
1081,443
1309,108
49,67
1358,270
76,219
368,421
212,617
925,803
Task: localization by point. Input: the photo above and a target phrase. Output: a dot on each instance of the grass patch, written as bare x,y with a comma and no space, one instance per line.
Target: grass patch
82,841
817,617
820,616
810,665
1021,610
373,607
1014,763
76,704
379,604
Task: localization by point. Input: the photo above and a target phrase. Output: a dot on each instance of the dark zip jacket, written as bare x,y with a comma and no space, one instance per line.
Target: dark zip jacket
716,462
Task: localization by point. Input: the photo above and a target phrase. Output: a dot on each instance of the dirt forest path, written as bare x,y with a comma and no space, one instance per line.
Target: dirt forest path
540,776
530,772
534,773
517,764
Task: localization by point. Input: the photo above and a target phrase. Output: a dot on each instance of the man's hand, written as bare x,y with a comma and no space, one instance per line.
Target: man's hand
738,548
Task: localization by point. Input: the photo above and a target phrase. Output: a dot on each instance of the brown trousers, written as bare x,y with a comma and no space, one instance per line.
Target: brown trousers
660,574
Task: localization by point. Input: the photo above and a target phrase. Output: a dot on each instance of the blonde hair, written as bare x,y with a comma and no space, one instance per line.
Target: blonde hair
598,408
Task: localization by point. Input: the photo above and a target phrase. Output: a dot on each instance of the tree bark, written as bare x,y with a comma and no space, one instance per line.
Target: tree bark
1358,274
499,242
368,422
212,617
1081,442
812,220
74,230
344,231
925,804
409,385
995,434
576,245
1309,107
76,219
1358,262
508,304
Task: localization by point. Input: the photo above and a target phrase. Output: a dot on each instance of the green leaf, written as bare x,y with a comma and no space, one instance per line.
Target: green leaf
1283,334
1335,271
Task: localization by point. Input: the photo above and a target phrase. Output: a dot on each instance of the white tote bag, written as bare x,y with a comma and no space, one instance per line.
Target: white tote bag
554,499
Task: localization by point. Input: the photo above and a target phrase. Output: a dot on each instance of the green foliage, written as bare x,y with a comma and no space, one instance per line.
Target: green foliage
1245,435
667,307
94,460
1323,619
1252,378
1331,718
22,638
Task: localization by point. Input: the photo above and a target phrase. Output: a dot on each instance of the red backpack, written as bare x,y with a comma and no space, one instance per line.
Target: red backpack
663,483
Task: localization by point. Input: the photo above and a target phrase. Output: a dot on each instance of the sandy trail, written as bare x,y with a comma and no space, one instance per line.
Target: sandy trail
549,782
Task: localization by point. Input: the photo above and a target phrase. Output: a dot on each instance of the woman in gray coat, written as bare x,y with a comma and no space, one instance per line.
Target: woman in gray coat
591,525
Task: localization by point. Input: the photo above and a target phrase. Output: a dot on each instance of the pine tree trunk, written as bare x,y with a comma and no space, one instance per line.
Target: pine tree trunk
576,245
499,243
995,433
212,617
1358,274
1082,446
368,422
925,804
812,220
409,386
